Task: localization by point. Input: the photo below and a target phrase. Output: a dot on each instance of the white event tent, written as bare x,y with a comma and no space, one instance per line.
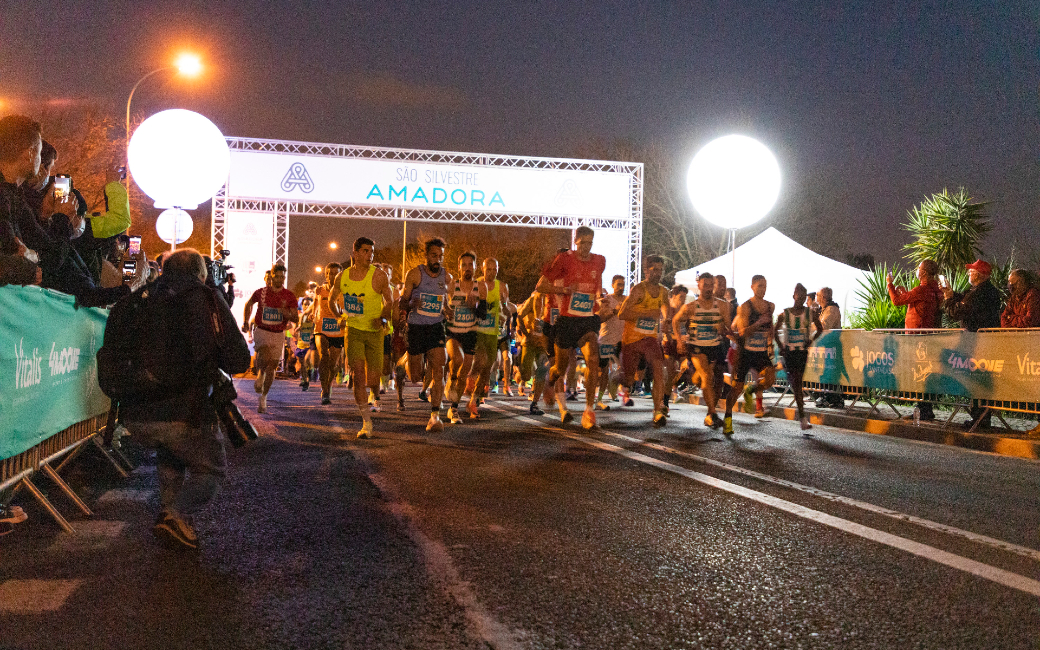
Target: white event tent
785,263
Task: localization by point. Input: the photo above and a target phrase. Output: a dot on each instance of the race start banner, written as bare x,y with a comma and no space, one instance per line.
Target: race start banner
48,366
999,366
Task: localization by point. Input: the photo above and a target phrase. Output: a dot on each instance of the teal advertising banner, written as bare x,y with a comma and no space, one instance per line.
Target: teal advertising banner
48,366
1001,366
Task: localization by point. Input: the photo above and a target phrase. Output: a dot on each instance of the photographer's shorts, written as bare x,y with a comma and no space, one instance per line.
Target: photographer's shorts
363,344
268,344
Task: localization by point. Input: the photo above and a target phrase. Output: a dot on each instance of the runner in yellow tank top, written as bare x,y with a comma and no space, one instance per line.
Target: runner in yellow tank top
362,294
499,308
642,312
327,334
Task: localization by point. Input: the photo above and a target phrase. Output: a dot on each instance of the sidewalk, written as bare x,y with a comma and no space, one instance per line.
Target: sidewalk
997,440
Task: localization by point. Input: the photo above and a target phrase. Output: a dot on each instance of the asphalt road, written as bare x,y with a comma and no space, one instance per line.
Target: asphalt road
518,532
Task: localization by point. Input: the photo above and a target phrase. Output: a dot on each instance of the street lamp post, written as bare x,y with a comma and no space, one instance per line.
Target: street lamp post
187,65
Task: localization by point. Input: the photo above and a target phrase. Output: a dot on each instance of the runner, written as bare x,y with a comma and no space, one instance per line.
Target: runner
424,299
534,356
642,312
792,335
487,330
276,308
303,343
610,330
729,345
388,332
753,326
329,334
705,341
467,298
581,273
676,300
362,294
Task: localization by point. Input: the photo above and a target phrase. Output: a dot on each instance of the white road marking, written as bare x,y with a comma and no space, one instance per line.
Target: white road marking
994,574
35,596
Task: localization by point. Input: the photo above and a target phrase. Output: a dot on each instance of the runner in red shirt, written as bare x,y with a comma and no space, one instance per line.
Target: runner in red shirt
276,308
581,273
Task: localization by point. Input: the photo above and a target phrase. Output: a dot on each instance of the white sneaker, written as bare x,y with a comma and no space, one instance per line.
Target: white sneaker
805,424
434,425
375,406
366,430
453,417
261,405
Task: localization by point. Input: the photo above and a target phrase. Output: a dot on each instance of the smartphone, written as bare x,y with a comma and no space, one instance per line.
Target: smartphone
942,280
62,186
135,246
129,269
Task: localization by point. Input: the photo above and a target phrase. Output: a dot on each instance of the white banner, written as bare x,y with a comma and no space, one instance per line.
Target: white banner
431,186
250,238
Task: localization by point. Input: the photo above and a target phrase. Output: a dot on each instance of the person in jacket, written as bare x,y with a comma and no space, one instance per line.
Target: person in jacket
922,310
183,428
976,309
1023,307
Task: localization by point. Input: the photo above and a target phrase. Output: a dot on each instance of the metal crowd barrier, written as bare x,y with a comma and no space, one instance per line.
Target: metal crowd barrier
19,471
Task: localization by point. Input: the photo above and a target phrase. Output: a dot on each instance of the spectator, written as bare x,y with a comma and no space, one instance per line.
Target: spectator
183,428
1023,307
976,309
102,227
16,270
922,311
830,319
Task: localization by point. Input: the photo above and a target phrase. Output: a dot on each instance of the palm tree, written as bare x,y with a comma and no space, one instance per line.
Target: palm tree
947,228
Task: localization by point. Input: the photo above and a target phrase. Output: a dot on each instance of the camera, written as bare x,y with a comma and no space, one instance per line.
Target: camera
218,270
238,430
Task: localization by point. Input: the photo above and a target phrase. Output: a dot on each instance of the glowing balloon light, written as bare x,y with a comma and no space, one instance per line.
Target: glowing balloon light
179,158
733,181
174,224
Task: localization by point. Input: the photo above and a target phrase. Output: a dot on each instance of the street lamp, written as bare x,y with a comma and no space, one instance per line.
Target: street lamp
733,182
333,245
186,64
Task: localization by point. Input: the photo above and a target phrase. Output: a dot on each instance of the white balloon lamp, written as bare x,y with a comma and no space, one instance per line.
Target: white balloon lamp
178,158
174,226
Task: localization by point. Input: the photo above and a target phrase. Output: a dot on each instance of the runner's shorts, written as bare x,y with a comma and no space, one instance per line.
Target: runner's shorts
670,348
423,338
748,361
488,343
504,343
302,352
549,331
466,340
715,353
609,352
795,360
362,344
268,344
569,330
647,350
388,344
331,341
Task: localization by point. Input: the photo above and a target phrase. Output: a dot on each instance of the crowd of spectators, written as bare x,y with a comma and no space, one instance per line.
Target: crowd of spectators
48,238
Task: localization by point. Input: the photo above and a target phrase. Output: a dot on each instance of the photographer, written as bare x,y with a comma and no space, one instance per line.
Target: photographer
184,427
218,276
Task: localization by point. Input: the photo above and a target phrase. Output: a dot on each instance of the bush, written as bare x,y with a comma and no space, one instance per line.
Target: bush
878,311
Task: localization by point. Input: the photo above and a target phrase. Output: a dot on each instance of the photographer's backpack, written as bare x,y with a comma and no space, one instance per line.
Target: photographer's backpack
144,357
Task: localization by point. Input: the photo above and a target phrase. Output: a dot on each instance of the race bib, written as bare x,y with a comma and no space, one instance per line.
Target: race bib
553,315
430,304
796,338
353,305
271,316
608,350
306,337
647,326
465,315
757,341
329,326
581,304
486,322
707,333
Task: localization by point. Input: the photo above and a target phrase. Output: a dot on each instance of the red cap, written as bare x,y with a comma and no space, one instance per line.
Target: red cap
982,266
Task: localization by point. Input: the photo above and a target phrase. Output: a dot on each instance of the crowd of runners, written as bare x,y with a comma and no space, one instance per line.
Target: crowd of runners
458,334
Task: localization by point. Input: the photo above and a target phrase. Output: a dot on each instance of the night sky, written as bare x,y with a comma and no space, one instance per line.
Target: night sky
868,105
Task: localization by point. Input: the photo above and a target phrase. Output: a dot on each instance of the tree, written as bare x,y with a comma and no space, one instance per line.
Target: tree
947,228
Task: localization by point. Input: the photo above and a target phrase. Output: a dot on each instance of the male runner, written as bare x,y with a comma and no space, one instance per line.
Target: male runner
424,297
676,300
729,345
487,329
303,338
792,335
642,312
581,273
753,326
329,334
276,308
610,331
534,358
467,297
705,341
362,294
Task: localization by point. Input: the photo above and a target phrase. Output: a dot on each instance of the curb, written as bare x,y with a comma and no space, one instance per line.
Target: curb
994,443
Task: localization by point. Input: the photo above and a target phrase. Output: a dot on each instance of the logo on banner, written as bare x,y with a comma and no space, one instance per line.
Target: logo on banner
957,362
568,195
27,371
819,355
297,176
1027,366
924,367
862,359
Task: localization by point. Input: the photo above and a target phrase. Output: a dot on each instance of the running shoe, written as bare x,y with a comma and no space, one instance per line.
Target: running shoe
566,417
305,384
626,399
326,400
175,533
760,412
366,430
588,419
400,405
12,515
535,410
474,410
727,426
572,396
805,424
423,397
659,419
261,404
434,425
453,416
601,406
664,409
713,421
374,405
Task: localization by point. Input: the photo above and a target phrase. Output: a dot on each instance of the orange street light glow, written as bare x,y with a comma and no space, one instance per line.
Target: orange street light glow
189,65
333,245
317,269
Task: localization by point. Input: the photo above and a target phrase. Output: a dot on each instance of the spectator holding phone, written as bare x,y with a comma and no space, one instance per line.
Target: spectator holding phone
922,310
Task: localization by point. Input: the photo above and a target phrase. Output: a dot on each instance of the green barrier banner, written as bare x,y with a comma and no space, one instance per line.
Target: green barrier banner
48,366
1000,366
